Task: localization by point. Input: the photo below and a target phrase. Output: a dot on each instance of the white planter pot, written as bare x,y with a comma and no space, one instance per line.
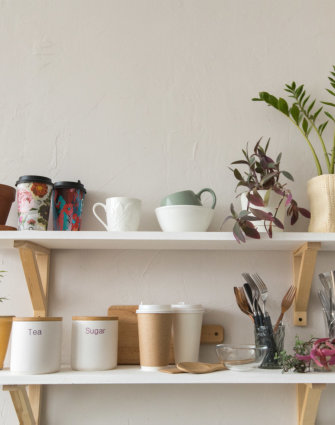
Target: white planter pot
271,207
36,345
321,193
94,343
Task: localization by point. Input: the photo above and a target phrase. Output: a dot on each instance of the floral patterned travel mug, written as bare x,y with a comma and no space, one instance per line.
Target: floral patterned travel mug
68,199
33,200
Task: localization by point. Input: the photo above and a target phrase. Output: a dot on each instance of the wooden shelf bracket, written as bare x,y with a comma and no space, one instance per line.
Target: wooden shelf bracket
35,261
304,260
308,397
22,404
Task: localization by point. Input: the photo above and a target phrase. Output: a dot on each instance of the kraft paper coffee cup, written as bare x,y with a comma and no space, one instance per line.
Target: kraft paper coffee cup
154,331
186,329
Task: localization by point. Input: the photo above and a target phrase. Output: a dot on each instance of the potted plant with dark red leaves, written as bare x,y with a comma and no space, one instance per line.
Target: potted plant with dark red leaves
265,198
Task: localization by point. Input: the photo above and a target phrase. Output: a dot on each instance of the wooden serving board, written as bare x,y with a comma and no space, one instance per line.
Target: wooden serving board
128,346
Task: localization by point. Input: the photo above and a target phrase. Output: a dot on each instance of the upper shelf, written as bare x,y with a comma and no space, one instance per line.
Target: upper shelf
286,241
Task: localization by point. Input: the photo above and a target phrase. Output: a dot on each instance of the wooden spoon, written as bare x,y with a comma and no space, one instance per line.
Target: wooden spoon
198,367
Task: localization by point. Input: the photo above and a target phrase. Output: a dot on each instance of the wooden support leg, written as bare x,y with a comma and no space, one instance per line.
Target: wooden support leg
308,402
304,263
21,403
36,263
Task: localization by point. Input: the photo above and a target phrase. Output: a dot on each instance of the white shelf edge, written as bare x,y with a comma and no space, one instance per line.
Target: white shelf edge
134,375
286,241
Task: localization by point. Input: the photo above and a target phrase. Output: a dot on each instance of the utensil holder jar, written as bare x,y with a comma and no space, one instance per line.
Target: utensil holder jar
94,343
274,341
36,345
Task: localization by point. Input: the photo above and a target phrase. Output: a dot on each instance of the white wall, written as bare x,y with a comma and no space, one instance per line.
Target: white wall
142,98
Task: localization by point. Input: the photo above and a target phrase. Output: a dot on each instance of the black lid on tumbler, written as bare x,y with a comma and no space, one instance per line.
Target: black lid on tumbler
34,179
70,185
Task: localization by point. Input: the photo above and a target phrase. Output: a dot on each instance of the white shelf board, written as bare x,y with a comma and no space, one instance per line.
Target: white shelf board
286,241
134,375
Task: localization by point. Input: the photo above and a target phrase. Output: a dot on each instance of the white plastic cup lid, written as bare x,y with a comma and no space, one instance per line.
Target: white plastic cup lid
154,308
187,308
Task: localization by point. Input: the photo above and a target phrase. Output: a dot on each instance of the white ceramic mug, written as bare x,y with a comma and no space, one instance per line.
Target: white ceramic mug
123,214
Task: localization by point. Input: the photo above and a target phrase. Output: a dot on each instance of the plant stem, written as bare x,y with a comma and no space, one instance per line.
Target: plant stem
317,132
317,162
333,157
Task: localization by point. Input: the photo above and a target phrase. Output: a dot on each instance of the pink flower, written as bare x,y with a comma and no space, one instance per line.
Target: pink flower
24,198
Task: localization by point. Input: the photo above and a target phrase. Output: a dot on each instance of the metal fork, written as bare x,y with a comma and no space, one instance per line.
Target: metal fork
263,290
255,291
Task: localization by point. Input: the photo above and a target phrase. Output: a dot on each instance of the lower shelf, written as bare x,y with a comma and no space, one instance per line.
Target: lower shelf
134,375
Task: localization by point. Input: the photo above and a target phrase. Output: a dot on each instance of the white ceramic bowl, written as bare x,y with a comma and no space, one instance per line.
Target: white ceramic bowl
184,218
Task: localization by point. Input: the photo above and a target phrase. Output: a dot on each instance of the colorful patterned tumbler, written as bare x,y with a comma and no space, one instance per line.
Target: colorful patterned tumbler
68,199
33,202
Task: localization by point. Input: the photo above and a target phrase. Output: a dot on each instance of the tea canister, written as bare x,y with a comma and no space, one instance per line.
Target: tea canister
94,342
36,345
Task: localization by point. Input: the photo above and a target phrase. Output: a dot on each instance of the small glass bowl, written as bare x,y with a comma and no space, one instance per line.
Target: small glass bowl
241,357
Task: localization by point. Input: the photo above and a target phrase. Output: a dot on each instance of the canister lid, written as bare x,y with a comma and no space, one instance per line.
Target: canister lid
37,319
154,308
187,308
70,185
95,318
33,179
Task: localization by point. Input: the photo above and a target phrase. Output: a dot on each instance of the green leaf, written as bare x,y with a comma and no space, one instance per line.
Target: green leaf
242,161
273,101
237,174
295,113
299,90
232,210
331,92
278,158
283,106
287,175
305,125
322,127
305,101
317,113
329,103
311,107
267,145
243,213
330,116
238,234
302,96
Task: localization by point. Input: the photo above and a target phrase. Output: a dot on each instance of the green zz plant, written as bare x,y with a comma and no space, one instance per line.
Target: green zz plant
304,114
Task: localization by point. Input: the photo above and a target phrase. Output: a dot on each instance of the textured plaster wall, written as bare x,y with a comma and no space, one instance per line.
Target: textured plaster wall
142,98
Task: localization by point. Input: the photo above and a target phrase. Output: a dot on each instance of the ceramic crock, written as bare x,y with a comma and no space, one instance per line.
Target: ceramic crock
36,345
321,194
94,343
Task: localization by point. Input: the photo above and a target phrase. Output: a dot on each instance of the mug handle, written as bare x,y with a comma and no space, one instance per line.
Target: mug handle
99,204
211,192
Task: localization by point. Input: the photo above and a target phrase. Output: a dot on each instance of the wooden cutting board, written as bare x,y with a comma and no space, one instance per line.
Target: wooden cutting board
128,347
